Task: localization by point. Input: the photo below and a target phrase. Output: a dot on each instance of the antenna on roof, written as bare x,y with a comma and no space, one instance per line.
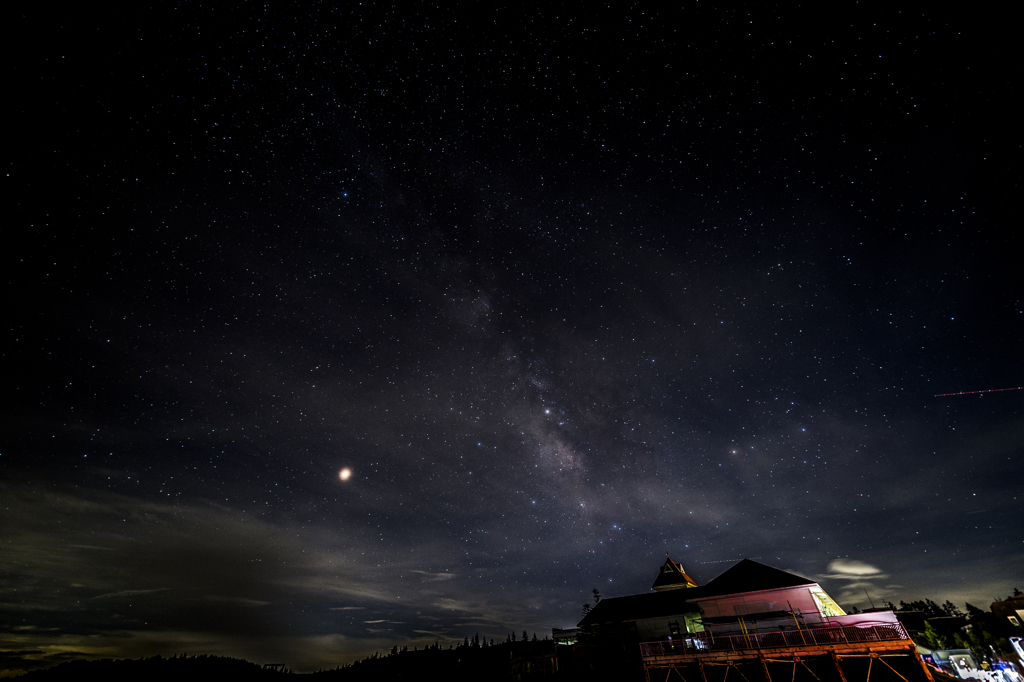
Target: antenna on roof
869,597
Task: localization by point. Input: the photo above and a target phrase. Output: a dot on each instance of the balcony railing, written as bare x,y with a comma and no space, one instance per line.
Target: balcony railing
704,642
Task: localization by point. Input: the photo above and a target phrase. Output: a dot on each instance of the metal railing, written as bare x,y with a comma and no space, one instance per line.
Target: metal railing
704,642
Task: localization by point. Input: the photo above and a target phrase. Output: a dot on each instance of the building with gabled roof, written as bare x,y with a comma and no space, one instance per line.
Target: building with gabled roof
1012,609
671,576
757,619
748,589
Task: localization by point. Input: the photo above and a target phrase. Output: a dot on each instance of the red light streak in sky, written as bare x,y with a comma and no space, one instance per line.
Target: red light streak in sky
991,390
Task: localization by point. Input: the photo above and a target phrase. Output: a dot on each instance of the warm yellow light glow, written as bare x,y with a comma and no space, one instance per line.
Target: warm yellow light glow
345,474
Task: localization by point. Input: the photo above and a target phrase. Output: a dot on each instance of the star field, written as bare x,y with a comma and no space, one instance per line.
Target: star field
560,293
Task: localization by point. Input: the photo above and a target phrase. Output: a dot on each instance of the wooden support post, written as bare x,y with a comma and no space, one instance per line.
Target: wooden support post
703,677
740,671
764,667
924,666
893,669
839,669
809,670
871,660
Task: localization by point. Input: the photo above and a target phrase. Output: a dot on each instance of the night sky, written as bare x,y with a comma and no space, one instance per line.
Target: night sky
563,291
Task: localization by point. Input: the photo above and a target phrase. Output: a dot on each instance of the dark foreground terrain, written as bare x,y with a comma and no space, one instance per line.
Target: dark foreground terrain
509,661
155,669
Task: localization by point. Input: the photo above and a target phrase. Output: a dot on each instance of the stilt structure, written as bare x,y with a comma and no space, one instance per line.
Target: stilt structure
753,623
883,651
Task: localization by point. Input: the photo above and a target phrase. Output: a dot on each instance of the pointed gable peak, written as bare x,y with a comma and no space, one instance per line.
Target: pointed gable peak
672,577
751,576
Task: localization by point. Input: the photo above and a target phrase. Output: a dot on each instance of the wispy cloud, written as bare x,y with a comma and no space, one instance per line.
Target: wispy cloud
851,569
129,593
453,605
241,601
436,577
861,586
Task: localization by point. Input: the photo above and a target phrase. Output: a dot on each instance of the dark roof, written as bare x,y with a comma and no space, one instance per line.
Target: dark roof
746,576
672,575
639,606
750,576
1008,607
